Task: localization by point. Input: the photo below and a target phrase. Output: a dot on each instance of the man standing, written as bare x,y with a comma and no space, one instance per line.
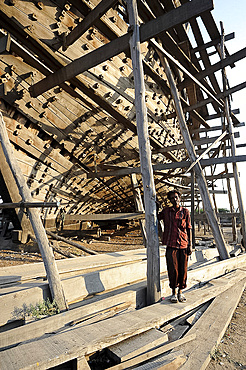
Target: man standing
177,238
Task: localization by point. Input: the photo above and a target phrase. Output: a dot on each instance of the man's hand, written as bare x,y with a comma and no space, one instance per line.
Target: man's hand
189,249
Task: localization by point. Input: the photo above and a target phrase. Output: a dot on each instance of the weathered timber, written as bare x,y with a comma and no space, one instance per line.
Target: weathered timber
70,242
12,189
86,340
154,353
207,150
223,94
183,69
214,42
38,228
151,223
88,21
167,166
29,205
217,66
137,345
219,239
233,145
147,31
80,265
215,321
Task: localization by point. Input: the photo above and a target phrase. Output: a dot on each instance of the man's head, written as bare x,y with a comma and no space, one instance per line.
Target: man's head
174,197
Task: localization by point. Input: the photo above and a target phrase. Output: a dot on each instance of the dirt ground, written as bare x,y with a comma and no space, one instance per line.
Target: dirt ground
230,353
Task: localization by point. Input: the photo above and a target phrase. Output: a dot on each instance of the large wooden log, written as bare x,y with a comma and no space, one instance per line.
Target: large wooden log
153,255
38,228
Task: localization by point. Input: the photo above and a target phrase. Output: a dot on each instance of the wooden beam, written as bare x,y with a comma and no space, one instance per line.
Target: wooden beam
29,205
215,67
183,69
70,242
38,228
105,217
88,21
218,236
153,353
222,308
207,150
233,145
151,29
214,42
202,141
151,222
167,166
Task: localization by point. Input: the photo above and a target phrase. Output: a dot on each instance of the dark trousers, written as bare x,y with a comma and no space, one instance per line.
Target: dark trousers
177,267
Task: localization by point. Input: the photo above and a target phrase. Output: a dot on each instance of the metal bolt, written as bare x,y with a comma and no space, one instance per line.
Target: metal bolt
34,17
29,141
40,5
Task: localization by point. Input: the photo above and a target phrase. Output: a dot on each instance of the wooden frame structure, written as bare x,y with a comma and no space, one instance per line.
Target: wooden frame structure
74,105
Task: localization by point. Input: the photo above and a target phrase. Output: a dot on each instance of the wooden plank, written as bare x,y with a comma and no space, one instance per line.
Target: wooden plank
75,288
154,353
20,273
82,364
54,323
151,29
215,321
137,345
52,350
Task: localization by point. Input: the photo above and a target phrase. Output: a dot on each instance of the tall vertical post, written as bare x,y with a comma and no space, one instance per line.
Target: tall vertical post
38,228
233,145
218,236
193,206
153,255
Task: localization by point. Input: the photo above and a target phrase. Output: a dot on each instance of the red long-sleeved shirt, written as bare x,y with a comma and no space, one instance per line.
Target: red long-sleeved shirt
176,225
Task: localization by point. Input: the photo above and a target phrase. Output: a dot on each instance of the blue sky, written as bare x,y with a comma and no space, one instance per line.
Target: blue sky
233,15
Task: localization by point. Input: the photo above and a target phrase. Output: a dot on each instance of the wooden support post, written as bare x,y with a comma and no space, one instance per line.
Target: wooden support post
139,206
233,146
38,228
211,216
193,206
228,182
153,256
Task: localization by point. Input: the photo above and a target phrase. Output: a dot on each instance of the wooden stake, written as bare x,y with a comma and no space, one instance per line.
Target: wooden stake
211,216
38,228
153,257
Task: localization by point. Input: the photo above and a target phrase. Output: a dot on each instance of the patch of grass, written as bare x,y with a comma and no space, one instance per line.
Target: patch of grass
37,311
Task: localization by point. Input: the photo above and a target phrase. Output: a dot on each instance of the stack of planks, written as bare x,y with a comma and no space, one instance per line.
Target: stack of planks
158,336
